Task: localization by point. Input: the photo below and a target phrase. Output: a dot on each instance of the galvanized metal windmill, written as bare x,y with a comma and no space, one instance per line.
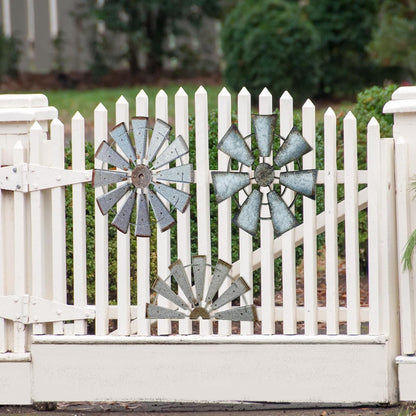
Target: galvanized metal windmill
265,178
141,175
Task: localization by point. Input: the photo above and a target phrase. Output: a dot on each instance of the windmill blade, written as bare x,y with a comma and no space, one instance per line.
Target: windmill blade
177,198
142,218
108,155
282,217
178,272
121,136
241,313
226,184
234,146
292,148
160,134
122,220
162,214
264,126
107,201
236,289
248,216
139,126
163,289
102,177
198,269
218,276
175,150
159,312
183,173
302,181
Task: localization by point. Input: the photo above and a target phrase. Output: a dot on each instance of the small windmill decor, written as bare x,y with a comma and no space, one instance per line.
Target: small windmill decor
265,178
195,303
141,174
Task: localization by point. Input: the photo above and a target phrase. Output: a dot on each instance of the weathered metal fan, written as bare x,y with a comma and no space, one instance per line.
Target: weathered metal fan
229,183
193,304
141,175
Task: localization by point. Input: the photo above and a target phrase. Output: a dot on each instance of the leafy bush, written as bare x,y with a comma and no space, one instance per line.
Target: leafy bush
9,55
271,44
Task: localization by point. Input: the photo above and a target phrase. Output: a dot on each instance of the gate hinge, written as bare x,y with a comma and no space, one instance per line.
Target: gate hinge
27,177
31,310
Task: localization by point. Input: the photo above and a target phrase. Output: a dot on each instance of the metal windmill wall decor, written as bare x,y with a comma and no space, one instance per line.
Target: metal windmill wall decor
141,175
194,304
228,183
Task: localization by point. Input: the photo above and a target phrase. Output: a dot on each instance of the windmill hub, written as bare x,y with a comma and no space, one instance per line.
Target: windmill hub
264,174
141,176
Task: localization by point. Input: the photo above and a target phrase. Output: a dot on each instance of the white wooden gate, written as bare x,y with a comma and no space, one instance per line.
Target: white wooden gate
299,351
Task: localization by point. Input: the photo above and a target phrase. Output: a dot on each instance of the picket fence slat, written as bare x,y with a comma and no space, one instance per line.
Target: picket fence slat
352,258
331,231
123,244
3,343
288,239
101,233
143,248
58,223
309,227
224,208
245,239
79,222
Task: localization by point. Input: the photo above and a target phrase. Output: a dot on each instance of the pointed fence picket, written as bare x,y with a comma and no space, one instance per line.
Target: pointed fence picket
3,341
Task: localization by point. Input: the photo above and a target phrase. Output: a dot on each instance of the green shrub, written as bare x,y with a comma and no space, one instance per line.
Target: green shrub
271,44
10,53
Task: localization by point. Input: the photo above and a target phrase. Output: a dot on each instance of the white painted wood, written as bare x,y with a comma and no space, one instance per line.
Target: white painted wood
20,251
374,267
37,224
3,342
352,258
79,221
331,246
288,239
53,18
164,326
266,241
123,244
58,223
224,208
309,227
7,21
245,239
407,376
15,382
202,179
183,219
143,248
101,233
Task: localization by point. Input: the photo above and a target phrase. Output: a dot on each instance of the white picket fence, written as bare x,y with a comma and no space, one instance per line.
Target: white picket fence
33,255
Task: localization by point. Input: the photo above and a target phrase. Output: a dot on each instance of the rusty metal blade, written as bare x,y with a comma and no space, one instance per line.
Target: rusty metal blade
226,184
159,312
248,216
121,136
160,134
218,276
163,289
122,220
282,217
236,289
234,146
183,173
108,155
175,150
142,218
240,313
139,126
264,126
107,201
292,148
177,198
179,274
102,177
302,181
162,214
199,264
